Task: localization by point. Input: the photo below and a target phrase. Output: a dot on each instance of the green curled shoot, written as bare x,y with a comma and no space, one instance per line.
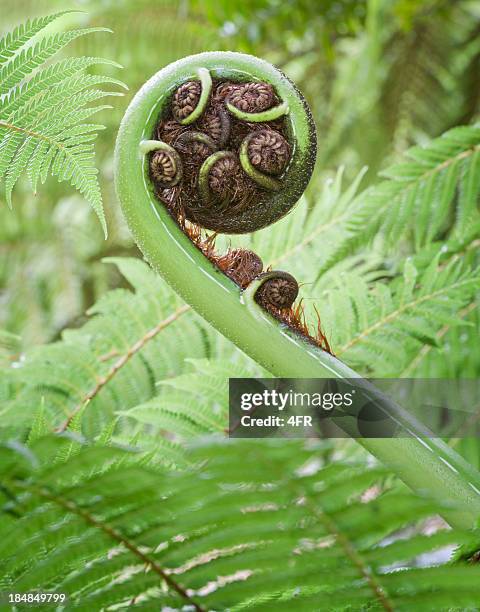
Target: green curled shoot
249,294
188,137
150,146
147,146
203,175
268,115
265,181
206,84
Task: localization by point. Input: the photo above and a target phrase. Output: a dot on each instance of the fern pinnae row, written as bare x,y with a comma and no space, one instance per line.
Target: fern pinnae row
426,349
45,79
14,71
43,102
445,162
123,360
39,108
114,534
379,592
324,228
14,40
462,282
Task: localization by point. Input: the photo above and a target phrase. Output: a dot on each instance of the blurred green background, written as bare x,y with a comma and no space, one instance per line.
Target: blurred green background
379,75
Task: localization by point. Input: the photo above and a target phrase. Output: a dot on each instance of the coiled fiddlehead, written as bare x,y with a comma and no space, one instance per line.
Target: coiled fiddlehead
280,290
256,125
421,461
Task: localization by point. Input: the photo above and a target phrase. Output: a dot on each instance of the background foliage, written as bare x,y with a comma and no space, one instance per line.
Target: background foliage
107,377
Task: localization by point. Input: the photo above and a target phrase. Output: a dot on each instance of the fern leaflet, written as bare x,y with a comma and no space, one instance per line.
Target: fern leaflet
418,197
257,526
43,108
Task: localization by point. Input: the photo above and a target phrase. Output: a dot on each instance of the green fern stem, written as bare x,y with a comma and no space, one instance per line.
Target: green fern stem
424,463
269,115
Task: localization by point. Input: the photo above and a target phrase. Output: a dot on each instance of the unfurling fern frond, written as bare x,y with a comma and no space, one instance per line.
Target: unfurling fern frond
44,108
435,190
251,526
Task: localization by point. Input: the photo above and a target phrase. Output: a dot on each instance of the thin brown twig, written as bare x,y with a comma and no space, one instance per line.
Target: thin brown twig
124,359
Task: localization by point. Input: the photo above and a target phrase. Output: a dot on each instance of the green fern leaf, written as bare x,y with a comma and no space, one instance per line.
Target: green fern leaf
13,72
14,40
112,363
417,197
245,526
43,110
378,328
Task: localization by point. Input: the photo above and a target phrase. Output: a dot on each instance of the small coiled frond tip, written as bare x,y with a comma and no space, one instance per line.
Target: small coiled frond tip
279,290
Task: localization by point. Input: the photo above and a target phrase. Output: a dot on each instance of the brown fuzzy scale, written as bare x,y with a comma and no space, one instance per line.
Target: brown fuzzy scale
185,99
169,131
269,151
278,292
241,265
252,97
293,317
162,168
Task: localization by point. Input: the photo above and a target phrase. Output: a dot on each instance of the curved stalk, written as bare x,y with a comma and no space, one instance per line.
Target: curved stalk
206,83
424,463
265,181
268,115
203,186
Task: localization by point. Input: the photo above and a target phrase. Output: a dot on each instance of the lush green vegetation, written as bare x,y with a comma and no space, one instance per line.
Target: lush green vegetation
117,484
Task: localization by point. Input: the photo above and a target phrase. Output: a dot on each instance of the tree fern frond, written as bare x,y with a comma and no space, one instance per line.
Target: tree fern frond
12,41
191,404
39,106
51,76
14,71
369,324
38,110
418,196
113,362
243,532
